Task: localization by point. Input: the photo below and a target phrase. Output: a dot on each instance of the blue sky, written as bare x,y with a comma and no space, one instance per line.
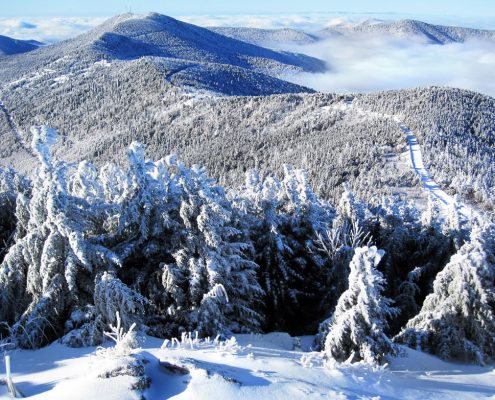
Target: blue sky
37,8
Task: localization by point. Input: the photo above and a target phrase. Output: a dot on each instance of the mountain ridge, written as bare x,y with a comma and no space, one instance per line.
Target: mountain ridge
130,36
432,33
10,46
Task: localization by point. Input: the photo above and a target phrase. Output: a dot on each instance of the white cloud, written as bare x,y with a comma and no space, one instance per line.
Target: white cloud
314,22
364,64
47,30
302,22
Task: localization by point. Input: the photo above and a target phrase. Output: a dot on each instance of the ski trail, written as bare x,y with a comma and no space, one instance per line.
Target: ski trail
427,182
415,158
15,131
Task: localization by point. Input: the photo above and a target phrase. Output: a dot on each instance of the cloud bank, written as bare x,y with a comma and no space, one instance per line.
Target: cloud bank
47,30
364,64
317,21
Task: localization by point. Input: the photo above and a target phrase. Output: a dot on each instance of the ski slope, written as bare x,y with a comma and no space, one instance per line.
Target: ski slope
427,182
272,366
415,159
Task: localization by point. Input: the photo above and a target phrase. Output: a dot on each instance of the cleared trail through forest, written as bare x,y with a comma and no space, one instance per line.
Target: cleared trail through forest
15,131
415,158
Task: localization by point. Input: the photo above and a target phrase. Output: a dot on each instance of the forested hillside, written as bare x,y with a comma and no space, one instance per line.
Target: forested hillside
98,117
159,174
169,249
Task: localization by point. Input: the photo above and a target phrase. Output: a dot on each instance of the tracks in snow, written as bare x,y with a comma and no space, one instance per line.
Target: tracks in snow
415,158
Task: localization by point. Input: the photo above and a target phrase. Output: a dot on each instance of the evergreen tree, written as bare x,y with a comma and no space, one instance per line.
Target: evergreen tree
356,330
285,218
457,320
416,249
13,191
210,253
39,275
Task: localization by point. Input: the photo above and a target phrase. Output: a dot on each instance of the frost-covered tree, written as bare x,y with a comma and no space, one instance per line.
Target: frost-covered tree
13,191
350,229
112,297
283,219
457,320
431,215
356,329
32,284
209,252
39,275
416,249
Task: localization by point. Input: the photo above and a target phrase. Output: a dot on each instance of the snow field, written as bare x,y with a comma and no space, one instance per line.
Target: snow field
251,367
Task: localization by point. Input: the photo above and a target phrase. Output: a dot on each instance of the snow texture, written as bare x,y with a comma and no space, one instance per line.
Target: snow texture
253,366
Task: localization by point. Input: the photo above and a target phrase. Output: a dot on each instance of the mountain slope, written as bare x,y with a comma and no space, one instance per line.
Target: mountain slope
102,92
436,34
222,78
9,46
129,36
266,37
101,111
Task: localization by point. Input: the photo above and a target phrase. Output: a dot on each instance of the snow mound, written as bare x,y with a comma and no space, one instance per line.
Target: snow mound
262,372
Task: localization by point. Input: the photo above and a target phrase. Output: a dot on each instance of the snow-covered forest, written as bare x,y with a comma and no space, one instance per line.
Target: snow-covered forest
176,219
168,249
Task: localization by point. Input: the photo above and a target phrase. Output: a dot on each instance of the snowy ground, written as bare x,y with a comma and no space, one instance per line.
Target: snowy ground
256,367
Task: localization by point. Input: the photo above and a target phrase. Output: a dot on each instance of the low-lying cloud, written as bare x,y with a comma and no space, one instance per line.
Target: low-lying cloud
47,30
369,63
316,21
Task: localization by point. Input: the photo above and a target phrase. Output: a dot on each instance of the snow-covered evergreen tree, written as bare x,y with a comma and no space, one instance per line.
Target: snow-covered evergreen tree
356,330
40,273
416,249
113,297
284,219
457,320
210,252
13,191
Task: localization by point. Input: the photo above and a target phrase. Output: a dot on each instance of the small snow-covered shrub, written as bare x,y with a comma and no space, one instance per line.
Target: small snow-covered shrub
193,342
125,341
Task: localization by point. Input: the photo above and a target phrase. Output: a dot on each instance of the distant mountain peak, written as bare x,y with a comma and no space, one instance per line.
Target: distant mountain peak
130,35
436,34
207,60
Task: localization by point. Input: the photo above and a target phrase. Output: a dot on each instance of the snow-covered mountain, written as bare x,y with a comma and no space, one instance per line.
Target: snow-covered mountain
430,33
188,194
99,115
267,37
9,46
437,34
129,37
158,79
